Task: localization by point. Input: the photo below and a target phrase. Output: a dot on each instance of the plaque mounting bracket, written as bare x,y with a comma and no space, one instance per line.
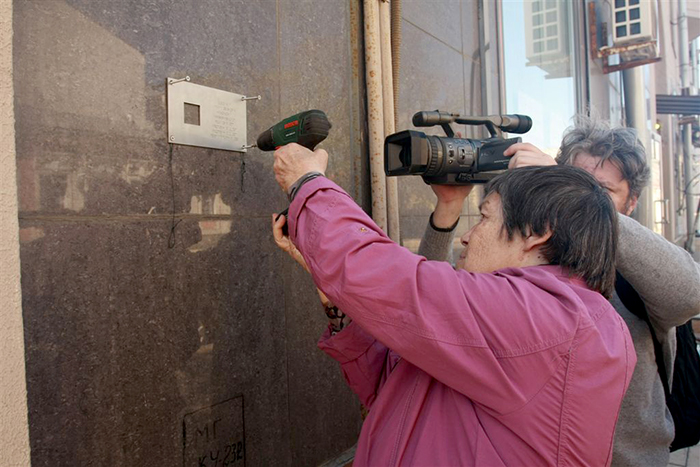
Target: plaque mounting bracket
206,117
175,81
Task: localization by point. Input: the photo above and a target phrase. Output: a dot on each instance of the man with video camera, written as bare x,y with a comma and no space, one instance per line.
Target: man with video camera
518,359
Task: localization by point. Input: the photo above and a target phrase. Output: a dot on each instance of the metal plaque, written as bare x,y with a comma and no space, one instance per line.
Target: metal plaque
205,117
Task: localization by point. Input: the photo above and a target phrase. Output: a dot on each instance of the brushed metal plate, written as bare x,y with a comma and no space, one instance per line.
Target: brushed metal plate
222,116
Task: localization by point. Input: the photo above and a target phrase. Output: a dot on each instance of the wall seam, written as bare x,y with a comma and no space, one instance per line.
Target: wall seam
14,425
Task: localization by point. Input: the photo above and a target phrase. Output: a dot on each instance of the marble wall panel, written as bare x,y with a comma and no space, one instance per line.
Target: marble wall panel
154,300
316,72
441,19
126,335
153,293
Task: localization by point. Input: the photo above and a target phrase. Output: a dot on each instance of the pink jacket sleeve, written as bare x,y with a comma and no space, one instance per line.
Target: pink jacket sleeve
364,361
493,337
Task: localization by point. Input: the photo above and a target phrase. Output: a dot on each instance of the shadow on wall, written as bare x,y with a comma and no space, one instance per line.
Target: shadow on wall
126,338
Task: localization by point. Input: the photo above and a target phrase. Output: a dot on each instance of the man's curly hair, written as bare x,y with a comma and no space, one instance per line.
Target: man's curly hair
618,145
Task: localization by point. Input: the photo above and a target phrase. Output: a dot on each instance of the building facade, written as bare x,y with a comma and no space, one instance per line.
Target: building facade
148,317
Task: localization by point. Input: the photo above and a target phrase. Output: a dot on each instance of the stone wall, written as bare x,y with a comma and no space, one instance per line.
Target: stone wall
161,322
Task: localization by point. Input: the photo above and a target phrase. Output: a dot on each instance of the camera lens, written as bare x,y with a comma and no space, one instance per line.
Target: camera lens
405,156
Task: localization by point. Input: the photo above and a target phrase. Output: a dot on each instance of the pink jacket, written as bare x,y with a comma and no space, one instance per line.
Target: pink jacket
521,367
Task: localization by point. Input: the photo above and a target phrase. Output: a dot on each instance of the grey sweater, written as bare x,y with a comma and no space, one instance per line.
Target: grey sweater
668,281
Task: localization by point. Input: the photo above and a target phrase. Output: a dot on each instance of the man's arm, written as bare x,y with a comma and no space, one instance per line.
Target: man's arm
436,244
663,274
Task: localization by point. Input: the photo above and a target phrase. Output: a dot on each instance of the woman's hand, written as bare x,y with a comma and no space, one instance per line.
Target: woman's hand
293,161
285,243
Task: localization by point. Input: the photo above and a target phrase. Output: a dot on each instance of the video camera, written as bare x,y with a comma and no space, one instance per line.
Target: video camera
449,160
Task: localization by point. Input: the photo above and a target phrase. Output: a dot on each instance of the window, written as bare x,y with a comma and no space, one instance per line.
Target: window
542,72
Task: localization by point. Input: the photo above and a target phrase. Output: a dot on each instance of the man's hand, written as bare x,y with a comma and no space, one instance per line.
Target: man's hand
450,199
292,161
526,155
285,243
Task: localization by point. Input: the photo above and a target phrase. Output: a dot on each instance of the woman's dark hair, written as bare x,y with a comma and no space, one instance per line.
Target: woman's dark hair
568,202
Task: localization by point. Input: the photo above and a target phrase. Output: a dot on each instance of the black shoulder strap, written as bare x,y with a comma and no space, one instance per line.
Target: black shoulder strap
634,303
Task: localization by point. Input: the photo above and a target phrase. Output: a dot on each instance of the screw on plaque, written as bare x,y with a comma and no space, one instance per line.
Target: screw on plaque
175,81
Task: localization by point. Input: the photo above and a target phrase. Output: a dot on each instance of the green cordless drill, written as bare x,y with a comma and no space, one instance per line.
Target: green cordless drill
307,128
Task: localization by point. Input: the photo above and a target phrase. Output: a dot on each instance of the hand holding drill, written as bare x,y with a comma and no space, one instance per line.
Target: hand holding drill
293,140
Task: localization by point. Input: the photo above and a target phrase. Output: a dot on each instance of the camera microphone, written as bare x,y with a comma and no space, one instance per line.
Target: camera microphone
515,123
432,118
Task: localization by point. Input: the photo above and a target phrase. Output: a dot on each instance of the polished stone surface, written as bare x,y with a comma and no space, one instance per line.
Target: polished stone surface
131,343
440,19
156,307
125,336
431,78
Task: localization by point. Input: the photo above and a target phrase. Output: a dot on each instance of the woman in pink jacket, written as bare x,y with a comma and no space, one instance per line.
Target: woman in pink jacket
518,359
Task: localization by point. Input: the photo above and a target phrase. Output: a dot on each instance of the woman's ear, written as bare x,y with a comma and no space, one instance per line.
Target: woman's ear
533,242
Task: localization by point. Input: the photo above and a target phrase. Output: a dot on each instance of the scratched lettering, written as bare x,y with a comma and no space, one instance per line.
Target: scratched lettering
229,454
214,436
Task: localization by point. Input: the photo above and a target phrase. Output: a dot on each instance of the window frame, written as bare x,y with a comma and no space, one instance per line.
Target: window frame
580,51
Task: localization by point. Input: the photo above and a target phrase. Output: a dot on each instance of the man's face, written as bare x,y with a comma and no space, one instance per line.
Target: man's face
609,176
486,245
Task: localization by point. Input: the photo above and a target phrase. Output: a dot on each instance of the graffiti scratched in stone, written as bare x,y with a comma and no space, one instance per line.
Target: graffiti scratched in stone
215,436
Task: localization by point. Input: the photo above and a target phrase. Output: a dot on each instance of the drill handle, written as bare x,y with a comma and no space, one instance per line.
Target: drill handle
307,128
285,227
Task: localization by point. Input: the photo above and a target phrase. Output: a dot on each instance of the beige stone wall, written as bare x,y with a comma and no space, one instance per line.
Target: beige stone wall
14,431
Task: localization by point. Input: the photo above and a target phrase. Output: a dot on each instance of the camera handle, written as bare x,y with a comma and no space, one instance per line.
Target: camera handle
448,130
494,131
